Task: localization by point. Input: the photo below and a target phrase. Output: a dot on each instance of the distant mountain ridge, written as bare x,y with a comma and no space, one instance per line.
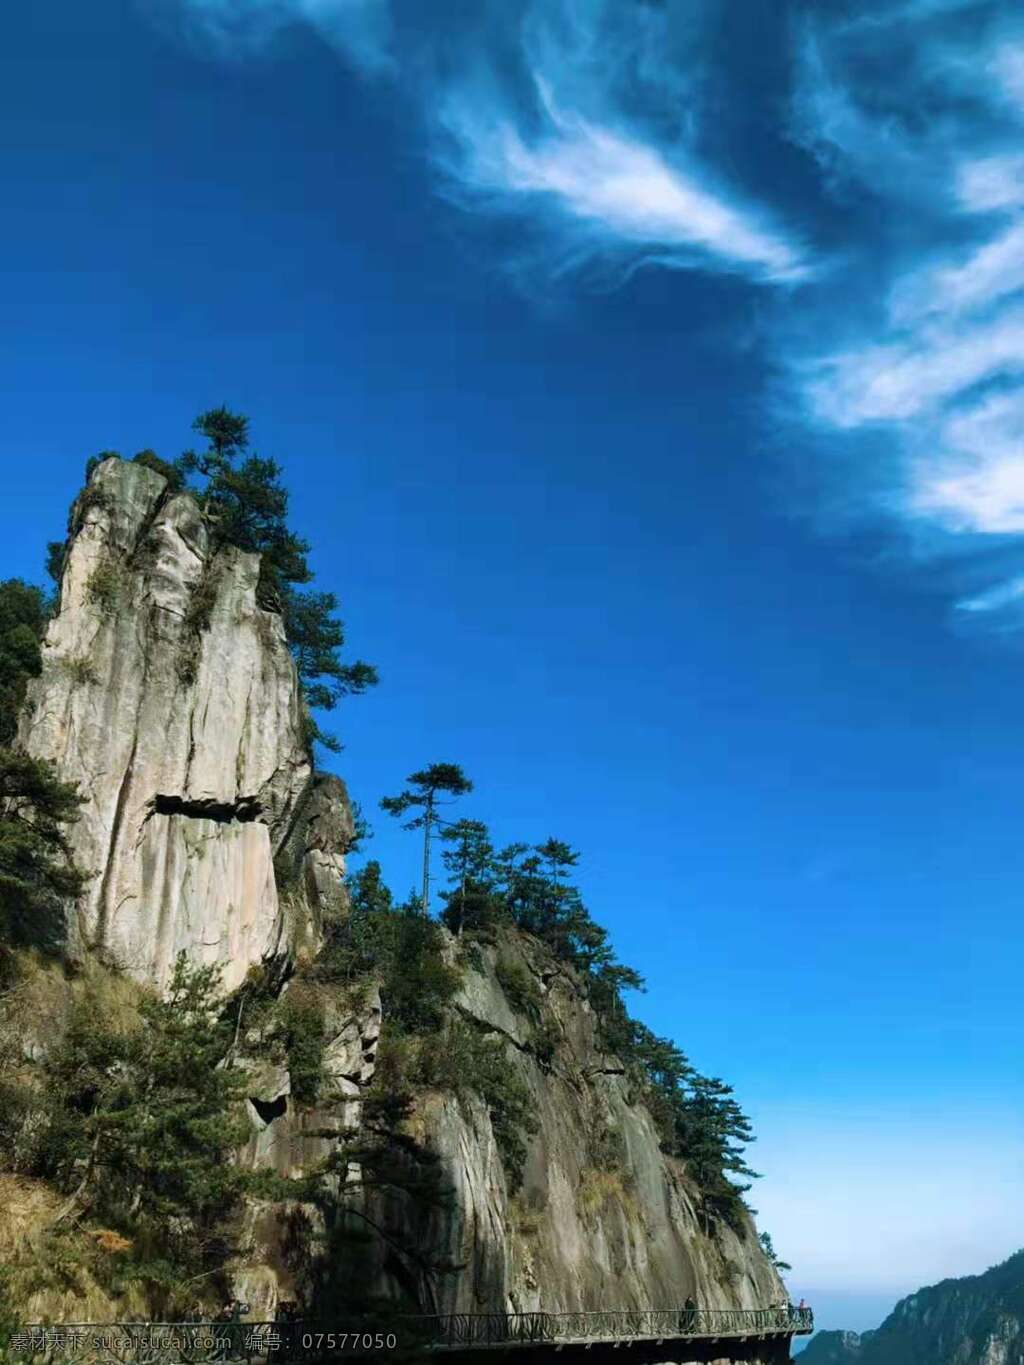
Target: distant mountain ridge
836,1348
977,1320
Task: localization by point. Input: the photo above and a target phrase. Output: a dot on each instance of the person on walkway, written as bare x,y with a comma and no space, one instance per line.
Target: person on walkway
688,1317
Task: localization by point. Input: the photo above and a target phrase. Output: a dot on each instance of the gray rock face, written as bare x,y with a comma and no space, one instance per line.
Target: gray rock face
170,696
279,1239
603,1218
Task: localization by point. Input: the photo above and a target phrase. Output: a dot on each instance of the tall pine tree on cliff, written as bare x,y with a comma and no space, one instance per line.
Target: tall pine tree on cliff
246,505
424,794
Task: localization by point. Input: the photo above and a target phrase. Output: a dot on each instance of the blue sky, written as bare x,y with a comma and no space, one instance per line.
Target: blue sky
649,381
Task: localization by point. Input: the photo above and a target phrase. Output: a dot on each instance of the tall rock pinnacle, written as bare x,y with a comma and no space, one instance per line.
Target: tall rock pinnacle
169,695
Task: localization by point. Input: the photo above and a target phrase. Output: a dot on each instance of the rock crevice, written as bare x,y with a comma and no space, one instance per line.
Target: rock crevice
242,811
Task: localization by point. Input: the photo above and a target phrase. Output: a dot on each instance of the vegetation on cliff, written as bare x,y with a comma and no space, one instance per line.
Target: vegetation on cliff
529,888
132,1115
245,505
37,874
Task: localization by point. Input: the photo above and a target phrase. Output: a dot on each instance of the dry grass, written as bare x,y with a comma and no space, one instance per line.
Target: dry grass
57,1270
41,996
26,1207
53,1272
524,1220
601,1189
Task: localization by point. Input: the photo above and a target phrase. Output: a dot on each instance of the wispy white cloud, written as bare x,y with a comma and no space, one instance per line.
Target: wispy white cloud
988,183
933,361
528,113
622,189
361,29
1003,595
588,126
1007,65
975,481
990,272
906,378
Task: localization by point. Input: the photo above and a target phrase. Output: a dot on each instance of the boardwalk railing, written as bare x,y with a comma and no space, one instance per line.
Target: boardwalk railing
494,1329
155,1343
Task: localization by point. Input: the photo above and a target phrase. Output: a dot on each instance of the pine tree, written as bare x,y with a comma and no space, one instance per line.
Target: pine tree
770,1252
148,1124
426,787
23,617
470,866
37,871
246,505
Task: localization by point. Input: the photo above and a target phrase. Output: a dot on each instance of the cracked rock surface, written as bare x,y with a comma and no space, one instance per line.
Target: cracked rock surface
170,696
603,1218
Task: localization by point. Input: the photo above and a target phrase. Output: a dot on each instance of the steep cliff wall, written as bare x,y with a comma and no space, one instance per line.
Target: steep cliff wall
169,695
602,1218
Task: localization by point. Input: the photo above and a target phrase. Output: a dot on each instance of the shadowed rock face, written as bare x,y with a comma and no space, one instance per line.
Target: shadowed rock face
170,696
603,1219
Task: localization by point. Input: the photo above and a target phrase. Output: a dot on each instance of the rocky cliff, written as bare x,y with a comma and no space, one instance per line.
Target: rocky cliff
169,695
836,1348
602,1216
978,1320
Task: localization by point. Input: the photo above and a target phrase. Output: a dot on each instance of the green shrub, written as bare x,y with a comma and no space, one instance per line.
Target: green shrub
24,1121
145,1117
81,670
198,615
106,585
472,953
152,460
56,553
519,985
90,499
605,1178
525,1218
361,830
545,1041
464,1061
398,946
22,626
606,1149
302,1032
597,1189
730,1274
201,602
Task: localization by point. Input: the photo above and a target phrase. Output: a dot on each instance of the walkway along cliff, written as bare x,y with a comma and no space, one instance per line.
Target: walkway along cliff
169,695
